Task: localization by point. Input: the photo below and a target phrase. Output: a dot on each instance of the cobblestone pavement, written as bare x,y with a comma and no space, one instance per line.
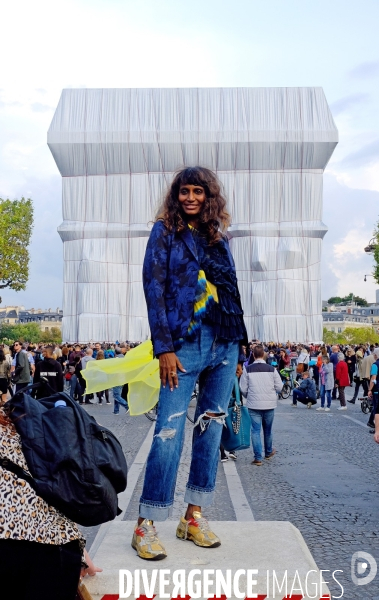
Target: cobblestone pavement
323,479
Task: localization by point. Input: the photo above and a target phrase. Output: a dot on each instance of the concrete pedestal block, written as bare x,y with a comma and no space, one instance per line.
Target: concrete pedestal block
276,550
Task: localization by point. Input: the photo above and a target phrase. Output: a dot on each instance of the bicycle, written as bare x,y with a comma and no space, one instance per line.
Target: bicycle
290,383
190,414
366,404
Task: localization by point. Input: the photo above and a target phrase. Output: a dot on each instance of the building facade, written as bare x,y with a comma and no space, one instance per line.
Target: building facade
46,319
9,314
352,316
337,322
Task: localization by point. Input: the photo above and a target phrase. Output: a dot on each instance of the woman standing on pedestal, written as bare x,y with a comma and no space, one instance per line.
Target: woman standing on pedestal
196,323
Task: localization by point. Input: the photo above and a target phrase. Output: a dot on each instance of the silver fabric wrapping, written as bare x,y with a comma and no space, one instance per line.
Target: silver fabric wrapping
117,150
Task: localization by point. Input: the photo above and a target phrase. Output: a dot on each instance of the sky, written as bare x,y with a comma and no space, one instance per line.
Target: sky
51,45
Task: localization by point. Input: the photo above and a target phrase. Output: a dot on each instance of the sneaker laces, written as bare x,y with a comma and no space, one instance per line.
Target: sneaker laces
150,534
200,522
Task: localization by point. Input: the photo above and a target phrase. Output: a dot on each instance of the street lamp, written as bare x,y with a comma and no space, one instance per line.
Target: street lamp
367,276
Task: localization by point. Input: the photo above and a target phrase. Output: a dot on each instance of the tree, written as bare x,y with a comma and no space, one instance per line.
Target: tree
349,298
25,332
16,224
351,335
360,335
7,333
357,299
328,337
335,300
53,336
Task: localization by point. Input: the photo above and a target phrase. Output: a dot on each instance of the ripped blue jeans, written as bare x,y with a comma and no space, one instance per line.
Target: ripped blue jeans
215,362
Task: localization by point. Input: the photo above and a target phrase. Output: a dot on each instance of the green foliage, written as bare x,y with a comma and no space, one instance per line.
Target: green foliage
53,336
330,337
351,335
338,300
26,332
335,300
16,224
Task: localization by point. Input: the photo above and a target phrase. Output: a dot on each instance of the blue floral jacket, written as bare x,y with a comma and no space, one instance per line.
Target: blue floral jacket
170,272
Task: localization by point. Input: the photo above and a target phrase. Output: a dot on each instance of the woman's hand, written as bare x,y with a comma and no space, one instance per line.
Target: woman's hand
91,570
168,369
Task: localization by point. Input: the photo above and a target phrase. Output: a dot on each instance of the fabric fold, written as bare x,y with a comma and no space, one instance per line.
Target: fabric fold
138,369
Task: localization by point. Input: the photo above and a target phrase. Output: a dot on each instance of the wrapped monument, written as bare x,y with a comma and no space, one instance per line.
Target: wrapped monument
117,149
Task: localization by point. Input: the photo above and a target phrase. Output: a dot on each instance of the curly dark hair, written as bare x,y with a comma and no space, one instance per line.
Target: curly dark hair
214,218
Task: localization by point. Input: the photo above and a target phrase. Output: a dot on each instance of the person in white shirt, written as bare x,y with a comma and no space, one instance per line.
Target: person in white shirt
260,383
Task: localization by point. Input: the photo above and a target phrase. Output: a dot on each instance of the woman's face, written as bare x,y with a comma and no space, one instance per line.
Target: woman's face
192,198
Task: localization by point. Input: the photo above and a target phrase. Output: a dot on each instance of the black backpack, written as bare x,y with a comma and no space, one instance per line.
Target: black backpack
77,465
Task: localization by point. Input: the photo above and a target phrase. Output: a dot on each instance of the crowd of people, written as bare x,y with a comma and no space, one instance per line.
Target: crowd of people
321,371
197,332
60,367
325,371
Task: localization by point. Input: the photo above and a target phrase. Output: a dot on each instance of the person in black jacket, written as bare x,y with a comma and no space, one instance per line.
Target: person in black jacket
48,369
81,383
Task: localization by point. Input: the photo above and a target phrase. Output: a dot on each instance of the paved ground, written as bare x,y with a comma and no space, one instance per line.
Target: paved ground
323,479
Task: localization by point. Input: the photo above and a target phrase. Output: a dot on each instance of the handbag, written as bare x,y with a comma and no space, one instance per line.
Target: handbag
300,368
236,432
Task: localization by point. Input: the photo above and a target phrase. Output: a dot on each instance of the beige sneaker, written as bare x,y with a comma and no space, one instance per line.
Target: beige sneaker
146,542
197,531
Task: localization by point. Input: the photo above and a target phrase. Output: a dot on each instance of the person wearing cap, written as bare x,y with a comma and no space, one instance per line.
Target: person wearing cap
342,379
